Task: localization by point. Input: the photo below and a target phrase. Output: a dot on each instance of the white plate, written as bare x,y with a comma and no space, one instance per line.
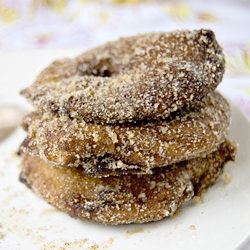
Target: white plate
222,221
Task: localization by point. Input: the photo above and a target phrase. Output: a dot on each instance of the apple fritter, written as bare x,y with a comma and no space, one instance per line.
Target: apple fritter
187,134
143,77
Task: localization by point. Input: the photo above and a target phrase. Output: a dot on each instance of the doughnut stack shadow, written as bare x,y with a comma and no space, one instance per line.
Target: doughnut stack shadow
129,131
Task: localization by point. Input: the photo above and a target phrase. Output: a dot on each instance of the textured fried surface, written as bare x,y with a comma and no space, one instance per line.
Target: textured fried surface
69,142
126,198
144,77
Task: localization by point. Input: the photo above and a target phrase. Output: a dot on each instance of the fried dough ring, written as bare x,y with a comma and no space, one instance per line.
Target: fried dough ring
143,77
190,133
127,198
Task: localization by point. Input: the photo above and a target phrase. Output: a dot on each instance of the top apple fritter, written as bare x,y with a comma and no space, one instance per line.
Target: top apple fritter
143,77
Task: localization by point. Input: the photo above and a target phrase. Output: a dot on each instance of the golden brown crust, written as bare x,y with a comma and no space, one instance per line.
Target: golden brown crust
135,123
127,198
68,142
143,77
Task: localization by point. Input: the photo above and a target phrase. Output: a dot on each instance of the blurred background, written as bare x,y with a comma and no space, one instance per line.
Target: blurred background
27,24
35,32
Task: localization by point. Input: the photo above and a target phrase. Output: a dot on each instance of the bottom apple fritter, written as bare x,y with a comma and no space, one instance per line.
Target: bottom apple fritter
128,198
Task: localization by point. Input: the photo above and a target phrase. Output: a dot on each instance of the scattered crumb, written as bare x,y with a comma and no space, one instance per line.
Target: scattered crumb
44,229
48,246
108,243
95,246
77,244
133,231
111,240
227,178
38,239
84,240
192,227
49,211
1,235
197,200
22,211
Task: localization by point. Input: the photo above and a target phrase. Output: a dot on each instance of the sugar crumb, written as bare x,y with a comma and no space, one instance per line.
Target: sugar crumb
227,178
108,243
192,227
49,211
1,235
95,246
134,231
197,200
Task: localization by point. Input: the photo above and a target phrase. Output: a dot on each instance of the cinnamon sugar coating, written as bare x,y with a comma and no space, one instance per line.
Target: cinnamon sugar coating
127,198
143,77
186,134
129,131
